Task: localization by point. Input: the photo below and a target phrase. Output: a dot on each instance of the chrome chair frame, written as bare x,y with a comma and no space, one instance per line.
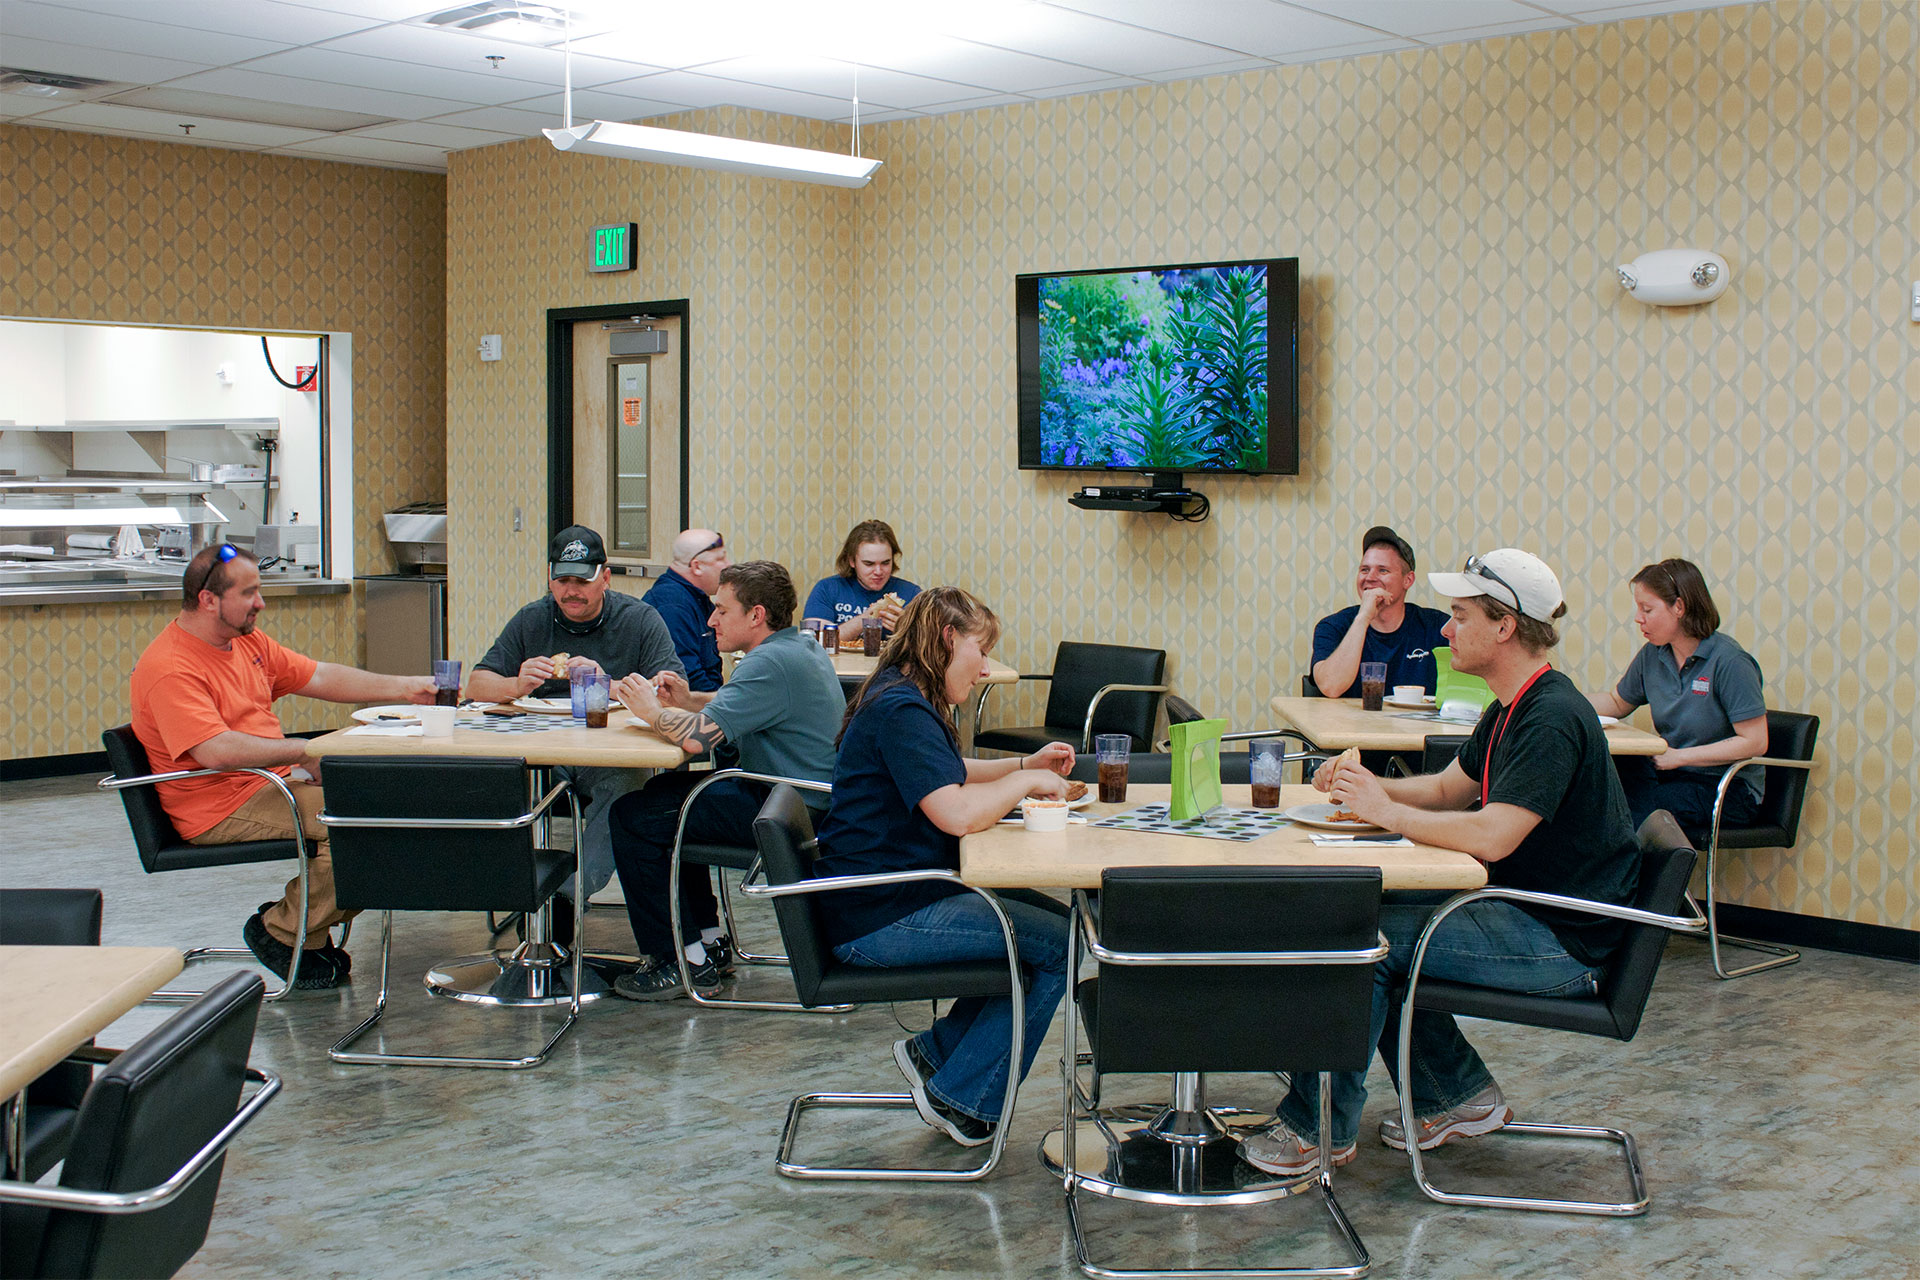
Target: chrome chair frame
1781,955
1086,729
1696,924
790,1132
161,1194
339,1052
176,995
741,954
1187,1119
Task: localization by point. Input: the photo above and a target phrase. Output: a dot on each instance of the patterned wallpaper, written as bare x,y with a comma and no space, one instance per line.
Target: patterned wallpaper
119,231
1471,372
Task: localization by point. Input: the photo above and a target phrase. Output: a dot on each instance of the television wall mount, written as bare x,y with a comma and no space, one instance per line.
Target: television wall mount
1168,495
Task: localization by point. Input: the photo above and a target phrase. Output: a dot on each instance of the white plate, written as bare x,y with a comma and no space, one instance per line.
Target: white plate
393,713
551,706
1412,704
1316,815
1607,722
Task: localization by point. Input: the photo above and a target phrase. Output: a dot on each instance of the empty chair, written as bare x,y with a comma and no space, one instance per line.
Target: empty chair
162,848
1186,983
50,918
1457,686
1094,689
425,833
784,832
1666,863
1439,750
137,1191
1790,741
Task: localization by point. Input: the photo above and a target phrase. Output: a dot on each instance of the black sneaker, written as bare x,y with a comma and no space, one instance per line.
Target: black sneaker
720,953
335,955
318,971
661,981
968,1131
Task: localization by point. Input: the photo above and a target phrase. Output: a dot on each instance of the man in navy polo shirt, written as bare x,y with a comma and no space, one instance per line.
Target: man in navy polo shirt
1383,627
683,597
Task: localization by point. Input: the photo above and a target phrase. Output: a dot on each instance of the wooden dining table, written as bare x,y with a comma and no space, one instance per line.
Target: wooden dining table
854,666
1009,856
1339,723
539,738
55,999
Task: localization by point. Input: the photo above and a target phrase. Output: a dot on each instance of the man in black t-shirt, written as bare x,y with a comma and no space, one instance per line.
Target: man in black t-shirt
1534,795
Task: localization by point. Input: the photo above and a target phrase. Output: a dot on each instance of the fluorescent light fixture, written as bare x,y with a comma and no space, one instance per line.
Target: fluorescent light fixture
705,151
61,518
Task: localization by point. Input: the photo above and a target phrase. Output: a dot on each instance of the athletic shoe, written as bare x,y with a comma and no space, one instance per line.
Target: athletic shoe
661,981
319,971
720,953
968,1131
1280,1150
1484,1112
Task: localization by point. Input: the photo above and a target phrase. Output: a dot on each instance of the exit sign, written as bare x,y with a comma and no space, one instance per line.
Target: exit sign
612,248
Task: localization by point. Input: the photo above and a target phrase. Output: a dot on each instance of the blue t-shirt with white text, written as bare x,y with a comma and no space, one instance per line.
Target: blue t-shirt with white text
840,598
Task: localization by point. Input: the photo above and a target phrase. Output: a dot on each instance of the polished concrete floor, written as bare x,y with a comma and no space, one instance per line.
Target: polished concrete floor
1775,1116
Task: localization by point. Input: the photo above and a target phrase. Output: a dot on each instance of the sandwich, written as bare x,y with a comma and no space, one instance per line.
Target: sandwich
559,661
1075,789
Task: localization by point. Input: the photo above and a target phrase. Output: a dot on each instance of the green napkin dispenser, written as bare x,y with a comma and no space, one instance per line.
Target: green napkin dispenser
1196,769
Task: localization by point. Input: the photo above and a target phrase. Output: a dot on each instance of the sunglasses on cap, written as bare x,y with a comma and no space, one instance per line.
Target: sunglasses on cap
1478,567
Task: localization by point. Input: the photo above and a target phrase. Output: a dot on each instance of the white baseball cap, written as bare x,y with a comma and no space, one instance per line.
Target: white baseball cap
1516,578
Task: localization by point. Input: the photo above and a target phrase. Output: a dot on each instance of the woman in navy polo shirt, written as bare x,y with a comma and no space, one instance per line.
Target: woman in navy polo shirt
1705,692
902,797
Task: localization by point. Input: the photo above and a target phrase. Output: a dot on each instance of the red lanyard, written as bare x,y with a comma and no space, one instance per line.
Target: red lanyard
1486,766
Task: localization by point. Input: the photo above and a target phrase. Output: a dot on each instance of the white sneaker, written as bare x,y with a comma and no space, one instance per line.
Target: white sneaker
1484,1112
1280,1150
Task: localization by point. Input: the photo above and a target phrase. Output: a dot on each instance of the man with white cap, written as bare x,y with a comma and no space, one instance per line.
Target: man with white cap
1533,794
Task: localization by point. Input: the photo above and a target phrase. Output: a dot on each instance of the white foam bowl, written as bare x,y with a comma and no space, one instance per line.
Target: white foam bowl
1044,816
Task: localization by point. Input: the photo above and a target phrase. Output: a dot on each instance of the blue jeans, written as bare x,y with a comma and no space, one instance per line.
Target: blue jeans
1687,796
1487,943
967,1047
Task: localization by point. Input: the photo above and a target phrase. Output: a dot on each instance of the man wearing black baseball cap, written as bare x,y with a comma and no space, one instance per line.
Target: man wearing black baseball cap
1383,627
587,625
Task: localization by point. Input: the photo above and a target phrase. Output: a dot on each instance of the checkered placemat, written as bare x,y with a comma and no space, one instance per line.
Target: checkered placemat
513,724
1224,824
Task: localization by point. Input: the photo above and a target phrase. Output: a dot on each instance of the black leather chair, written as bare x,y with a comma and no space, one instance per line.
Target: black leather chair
1440,750
1790,741
1095,689
1156,1004
1234,765
1308,688
137,1191
784,832
162,848
48,918
428,833
1666,864
726,857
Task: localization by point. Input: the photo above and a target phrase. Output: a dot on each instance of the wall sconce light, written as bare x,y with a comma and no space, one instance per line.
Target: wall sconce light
1675,277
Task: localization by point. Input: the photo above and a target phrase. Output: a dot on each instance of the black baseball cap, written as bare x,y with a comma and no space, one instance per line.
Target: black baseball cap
576,552
1379,536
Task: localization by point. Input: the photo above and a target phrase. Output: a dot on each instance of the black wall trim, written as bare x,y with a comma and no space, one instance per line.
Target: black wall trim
560,322
81,762
1880,941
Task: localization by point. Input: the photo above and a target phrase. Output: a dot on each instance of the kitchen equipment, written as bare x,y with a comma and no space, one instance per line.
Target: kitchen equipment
277,541
406,622
418,532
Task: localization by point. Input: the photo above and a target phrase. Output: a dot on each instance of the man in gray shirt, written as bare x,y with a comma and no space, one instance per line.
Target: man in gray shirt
780,711
593,628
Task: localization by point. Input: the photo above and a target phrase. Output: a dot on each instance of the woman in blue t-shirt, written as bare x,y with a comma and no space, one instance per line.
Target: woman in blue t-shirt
902,797
1705,692
865,588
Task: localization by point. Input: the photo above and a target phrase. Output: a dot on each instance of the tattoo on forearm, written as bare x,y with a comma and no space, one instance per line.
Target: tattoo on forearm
691,731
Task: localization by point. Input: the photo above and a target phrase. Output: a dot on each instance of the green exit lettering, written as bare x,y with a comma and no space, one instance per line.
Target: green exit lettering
611,248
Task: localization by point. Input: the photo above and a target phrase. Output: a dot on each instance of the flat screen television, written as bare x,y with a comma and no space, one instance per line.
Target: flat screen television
1191,368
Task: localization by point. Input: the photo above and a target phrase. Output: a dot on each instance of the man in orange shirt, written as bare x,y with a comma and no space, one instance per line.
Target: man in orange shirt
203,696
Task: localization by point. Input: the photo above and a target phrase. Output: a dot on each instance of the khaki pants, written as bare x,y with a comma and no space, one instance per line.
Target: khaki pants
264,817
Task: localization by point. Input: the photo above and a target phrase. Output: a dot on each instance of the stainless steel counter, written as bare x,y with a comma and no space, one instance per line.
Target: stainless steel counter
43,582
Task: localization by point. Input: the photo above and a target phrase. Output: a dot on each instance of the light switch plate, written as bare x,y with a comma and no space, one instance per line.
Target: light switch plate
489,346
1916,301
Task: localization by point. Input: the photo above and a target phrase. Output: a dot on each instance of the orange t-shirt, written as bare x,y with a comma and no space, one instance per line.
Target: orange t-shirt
186,691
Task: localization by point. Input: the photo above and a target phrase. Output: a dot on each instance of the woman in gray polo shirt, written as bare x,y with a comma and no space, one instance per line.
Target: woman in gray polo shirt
1707,703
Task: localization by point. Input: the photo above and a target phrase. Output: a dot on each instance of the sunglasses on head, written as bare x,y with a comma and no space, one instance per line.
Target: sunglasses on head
1478,567
226,552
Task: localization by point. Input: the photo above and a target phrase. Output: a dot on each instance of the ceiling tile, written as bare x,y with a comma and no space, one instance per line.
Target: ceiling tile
243,83
1366,48
1539,22
354,146
976,104
1590,11
595,104
829,78
15,105
382,10
102,64
1093,42
1215,69
684,45
166,124
1005,70
1260,28
476,88
686,90
284,24
458,51
517,121
126,35
1401,18
445,137
40,122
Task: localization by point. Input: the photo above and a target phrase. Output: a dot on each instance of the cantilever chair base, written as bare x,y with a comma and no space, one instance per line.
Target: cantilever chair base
1615,1209
790,1134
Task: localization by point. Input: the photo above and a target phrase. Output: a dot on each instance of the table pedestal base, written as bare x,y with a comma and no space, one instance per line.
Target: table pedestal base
532,974
1160,1155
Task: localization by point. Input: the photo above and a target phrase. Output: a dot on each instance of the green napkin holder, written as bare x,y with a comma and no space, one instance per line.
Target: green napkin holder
1196,769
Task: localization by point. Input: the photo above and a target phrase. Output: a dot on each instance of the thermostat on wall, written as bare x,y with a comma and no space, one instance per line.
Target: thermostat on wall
489,346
